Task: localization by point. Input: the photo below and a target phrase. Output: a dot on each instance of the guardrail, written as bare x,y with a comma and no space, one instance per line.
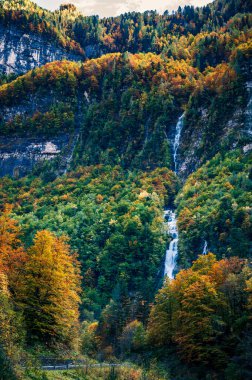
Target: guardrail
59,367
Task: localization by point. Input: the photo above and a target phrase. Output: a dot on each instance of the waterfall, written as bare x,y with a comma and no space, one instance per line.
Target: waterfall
205,249
176,142
172,251
170,216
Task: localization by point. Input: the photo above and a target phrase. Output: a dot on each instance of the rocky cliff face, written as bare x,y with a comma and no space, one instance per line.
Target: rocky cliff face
19,155
214,129
21,51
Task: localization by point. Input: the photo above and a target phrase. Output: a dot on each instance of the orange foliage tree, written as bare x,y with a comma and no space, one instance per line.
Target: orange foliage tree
197,310
12,254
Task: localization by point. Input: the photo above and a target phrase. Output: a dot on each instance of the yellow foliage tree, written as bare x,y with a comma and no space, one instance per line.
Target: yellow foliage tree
52,288
198,307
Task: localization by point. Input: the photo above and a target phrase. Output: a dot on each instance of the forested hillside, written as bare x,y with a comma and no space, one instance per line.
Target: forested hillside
125,193
204,35
213,208
134,32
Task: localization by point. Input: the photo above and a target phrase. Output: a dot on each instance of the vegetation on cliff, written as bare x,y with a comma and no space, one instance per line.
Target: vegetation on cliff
215,206
81,255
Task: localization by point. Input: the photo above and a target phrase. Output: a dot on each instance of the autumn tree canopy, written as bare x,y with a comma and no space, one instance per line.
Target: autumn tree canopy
198,310
52,288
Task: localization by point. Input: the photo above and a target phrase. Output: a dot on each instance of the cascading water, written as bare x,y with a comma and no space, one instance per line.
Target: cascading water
172,252
205,249
179,127
170,216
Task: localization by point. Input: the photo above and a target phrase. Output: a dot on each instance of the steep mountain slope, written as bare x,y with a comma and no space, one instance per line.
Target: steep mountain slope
29,38
99,159
21,51
218,116
144,94
114,220
214,208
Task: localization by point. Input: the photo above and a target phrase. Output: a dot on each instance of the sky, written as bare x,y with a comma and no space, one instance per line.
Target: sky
115,7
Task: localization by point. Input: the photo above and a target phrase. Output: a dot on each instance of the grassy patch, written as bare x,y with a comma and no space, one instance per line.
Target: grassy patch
97,373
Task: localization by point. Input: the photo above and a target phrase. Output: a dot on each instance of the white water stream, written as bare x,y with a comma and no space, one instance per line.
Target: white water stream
170,216
176,142
205,249
172,251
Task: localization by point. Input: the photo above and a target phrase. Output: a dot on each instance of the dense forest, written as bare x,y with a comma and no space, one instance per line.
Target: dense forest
133,32
155,118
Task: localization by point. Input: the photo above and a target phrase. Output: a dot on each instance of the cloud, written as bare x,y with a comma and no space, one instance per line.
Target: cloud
115,7
107,8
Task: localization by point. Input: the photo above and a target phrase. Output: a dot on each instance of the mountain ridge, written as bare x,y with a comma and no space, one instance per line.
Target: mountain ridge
127,161
75,34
